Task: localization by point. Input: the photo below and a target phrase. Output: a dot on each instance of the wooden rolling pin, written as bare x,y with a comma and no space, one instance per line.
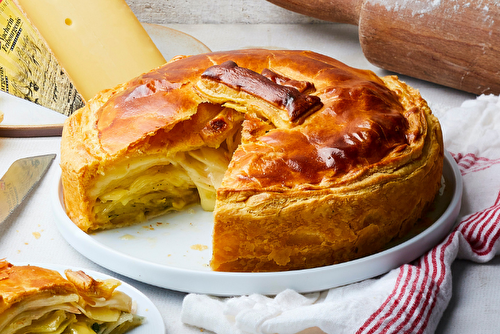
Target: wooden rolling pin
455,43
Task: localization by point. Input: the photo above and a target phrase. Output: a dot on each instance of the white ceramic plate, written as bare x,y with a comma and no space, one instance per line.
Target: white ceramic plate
153,322
173,251
23,118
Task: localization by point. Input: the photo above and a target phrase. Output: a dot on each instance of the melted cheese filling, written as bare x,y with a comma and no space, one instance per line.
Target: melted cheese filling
149,186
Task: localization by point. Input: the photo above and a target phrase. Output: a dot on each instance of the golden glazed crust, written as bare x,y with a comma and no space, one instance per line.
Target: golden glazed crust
20,282
334,162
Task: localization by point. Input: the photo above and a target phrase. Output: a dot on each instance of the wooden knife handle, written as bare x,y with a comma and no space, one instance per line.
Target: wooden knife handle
455,43
48,130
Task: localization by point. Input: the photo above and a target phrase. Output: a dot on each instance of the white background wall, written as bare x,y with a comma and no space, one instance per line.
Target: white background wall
213,11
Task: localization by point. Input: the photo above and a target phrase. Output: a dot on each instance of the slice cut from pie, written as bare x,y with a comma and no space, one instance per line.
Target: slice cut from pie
39,300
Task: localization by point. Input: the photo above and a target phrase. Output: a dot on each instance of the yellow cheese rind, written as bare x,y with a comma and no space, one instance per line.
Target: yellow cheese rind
100,43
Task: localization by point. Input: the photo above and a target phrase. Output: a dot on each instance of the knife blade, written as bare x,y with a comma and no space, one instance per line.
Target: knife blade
21,177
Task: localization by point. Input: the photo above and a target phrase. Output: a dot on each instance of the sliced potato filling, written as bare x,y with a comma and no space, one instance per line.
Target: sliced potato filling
53,322
46,313
34,308
150,186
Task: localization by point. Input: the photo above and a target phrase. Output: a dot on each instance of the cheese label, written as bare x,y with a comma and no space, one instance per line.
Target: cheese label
28,68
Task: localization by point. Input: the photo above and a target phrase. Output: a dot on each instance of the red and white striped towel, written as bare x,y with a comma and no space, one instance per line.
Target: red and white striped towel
409,299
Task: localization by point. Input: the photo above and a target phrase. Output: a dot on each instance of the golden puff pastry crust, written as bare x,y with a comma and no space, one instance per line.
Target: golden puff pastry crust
306,161
20,282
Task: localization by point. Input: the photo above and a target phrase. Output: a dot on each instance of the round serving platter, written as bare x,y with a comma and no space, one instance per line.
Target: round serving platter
173,251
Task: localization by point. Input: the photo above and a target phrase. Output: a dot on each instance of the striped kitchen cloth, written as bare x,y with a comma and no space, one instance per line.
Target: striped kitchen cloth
409,299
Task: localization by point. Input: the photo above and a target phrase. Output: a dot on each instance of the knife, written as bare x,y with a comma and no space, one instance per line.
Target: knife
21,177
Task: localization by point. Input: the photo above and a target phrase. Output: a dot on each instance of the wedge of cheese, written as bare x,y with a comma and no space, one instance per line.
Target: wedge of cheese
28,69
60,53
100,43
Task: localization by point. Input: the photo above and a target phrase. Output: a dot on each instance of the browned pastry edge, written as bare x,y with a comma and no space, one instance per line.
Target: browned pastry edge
279,92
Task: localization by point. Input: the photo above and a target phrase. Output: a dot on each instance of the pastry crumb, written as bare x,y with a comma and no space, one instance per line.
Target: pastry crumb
199,247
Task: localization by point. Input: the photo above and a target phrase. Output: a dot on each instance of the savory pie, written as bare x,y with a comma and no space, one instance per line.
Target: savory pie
305,161
40,300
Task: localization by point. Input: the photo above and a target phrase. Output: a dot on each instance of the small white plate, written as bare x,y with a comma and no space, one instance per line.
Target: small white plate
173,251
153,322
